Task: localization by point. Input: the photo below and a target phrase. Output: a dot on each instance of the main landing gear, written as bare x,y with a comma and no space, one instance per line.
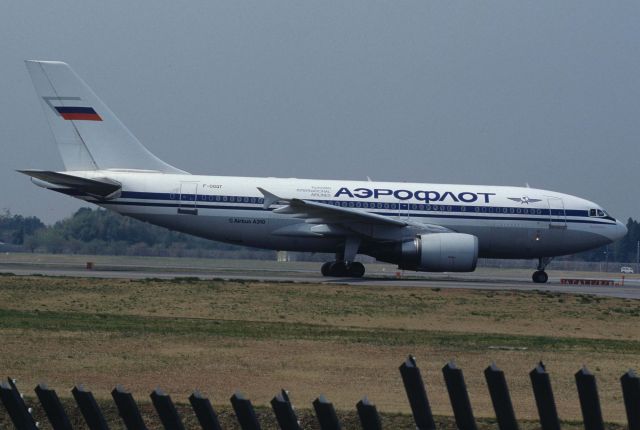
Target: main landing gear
340,268
344,264
540,276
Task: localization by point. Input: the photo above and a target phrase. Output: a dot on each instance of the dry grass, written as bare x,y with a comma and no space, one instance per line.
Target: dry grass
340,341
515,312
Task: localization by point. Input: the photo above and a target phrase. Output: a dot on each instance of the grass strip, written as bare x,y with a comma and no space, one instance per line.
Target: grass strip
133,325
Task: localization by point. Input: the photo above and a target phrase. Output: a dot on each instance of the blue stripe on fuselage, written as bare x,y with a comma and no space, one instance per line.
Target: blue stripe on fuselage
205,201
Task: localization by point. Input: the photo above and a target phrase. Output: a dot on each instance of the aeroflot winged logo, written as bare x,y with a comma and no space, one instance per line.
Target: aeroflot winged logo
524,200
72,109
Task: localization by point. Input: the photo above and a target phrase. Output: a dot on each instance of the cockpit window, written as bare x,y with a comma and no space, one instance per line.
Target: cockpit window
598,213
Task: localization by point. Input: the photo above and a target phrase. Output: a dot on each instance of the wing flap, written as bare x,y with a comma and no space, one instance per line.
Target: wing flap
322,213
333,220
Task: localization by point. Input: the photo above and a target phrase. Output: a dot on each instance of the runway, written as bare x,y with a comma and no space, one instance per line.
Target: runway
378,275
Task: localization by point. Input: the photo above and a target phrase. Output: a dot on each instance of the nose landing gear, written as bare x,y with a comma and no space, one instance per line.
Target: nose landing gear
540,276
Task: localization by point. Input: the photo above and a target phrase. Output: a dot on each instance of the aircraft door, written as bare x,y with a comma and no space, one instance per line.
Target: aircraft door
188,203
403,210
557,213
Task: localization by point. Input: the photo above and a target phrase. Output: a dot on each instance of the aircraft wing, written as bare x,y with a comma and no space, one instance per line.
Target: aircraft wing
103,188
346,218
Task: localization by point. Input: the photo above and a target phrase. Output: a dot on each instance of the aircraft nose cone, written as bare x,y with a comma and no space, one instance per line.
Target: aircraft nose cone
620,231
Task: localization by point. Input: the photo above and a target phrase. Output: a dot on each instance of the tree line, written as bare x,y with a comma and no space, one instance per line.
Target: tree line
624,250
101,232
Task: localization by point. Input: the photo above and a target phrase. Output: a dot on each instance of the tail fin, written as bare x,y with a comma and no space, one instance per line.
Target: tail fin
89,136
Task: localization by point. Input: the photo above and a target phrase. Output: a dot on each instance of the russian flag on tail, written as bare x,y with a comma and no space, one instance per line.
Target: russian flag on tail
77,113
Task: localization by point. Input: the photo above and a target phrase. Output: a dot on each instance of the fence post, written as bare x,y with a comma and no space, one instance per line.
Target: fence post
18,412
499,392
244,412
541,384
166,410
589,401
368,414
128,409
53,408
326,414
631,393
204,411
459,397
283,410
417,394
89,408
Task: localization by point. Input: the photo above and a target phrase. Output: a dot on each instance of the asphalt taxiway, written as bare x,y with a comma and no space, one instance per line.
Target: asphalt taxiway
377,275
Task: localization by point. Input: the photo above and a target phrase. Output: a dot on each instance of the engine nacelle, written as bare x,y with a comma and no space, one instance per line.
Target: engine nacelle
440,252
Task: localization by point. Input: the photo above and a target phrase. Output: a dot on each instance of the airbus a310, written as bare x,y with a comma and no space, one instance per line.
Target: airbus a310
421,227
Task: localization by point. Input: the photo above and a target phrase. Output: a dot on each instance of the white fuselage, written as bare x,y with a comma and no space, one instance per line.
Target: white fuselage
510,222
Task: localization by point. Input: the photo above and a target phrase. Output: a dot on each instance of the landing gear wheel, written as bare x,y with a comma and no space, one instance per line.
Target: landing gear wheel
338,268
326,268
356,269
540,277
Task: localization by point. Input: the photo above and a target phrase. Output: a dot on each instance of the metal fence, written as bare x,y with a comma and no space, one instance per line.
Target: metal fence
326,415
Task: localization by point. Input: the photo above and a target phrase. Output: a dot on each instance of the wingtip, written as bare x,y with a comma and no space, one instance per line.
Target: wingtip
28,171
45,62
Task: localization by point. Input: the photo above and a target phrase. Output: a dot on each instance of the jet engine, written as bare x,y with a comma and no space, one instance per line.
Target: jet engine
435,252
440,252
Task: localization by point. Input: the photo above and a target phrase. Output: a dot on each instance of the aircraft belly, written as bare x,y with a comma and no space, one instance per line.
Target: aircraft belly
238,227
528,240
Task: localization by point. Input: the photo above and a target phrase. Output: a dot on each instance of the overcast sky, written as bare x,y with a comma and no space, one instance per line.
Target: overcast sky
505,93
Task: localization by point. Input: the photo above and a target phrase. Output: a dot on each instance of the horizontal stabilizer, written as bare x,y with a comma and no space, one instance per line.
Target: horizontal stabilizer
103,188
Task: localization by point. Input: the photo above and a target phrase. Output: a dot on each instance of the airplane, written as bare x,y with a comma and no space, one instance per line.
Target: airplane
418,226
